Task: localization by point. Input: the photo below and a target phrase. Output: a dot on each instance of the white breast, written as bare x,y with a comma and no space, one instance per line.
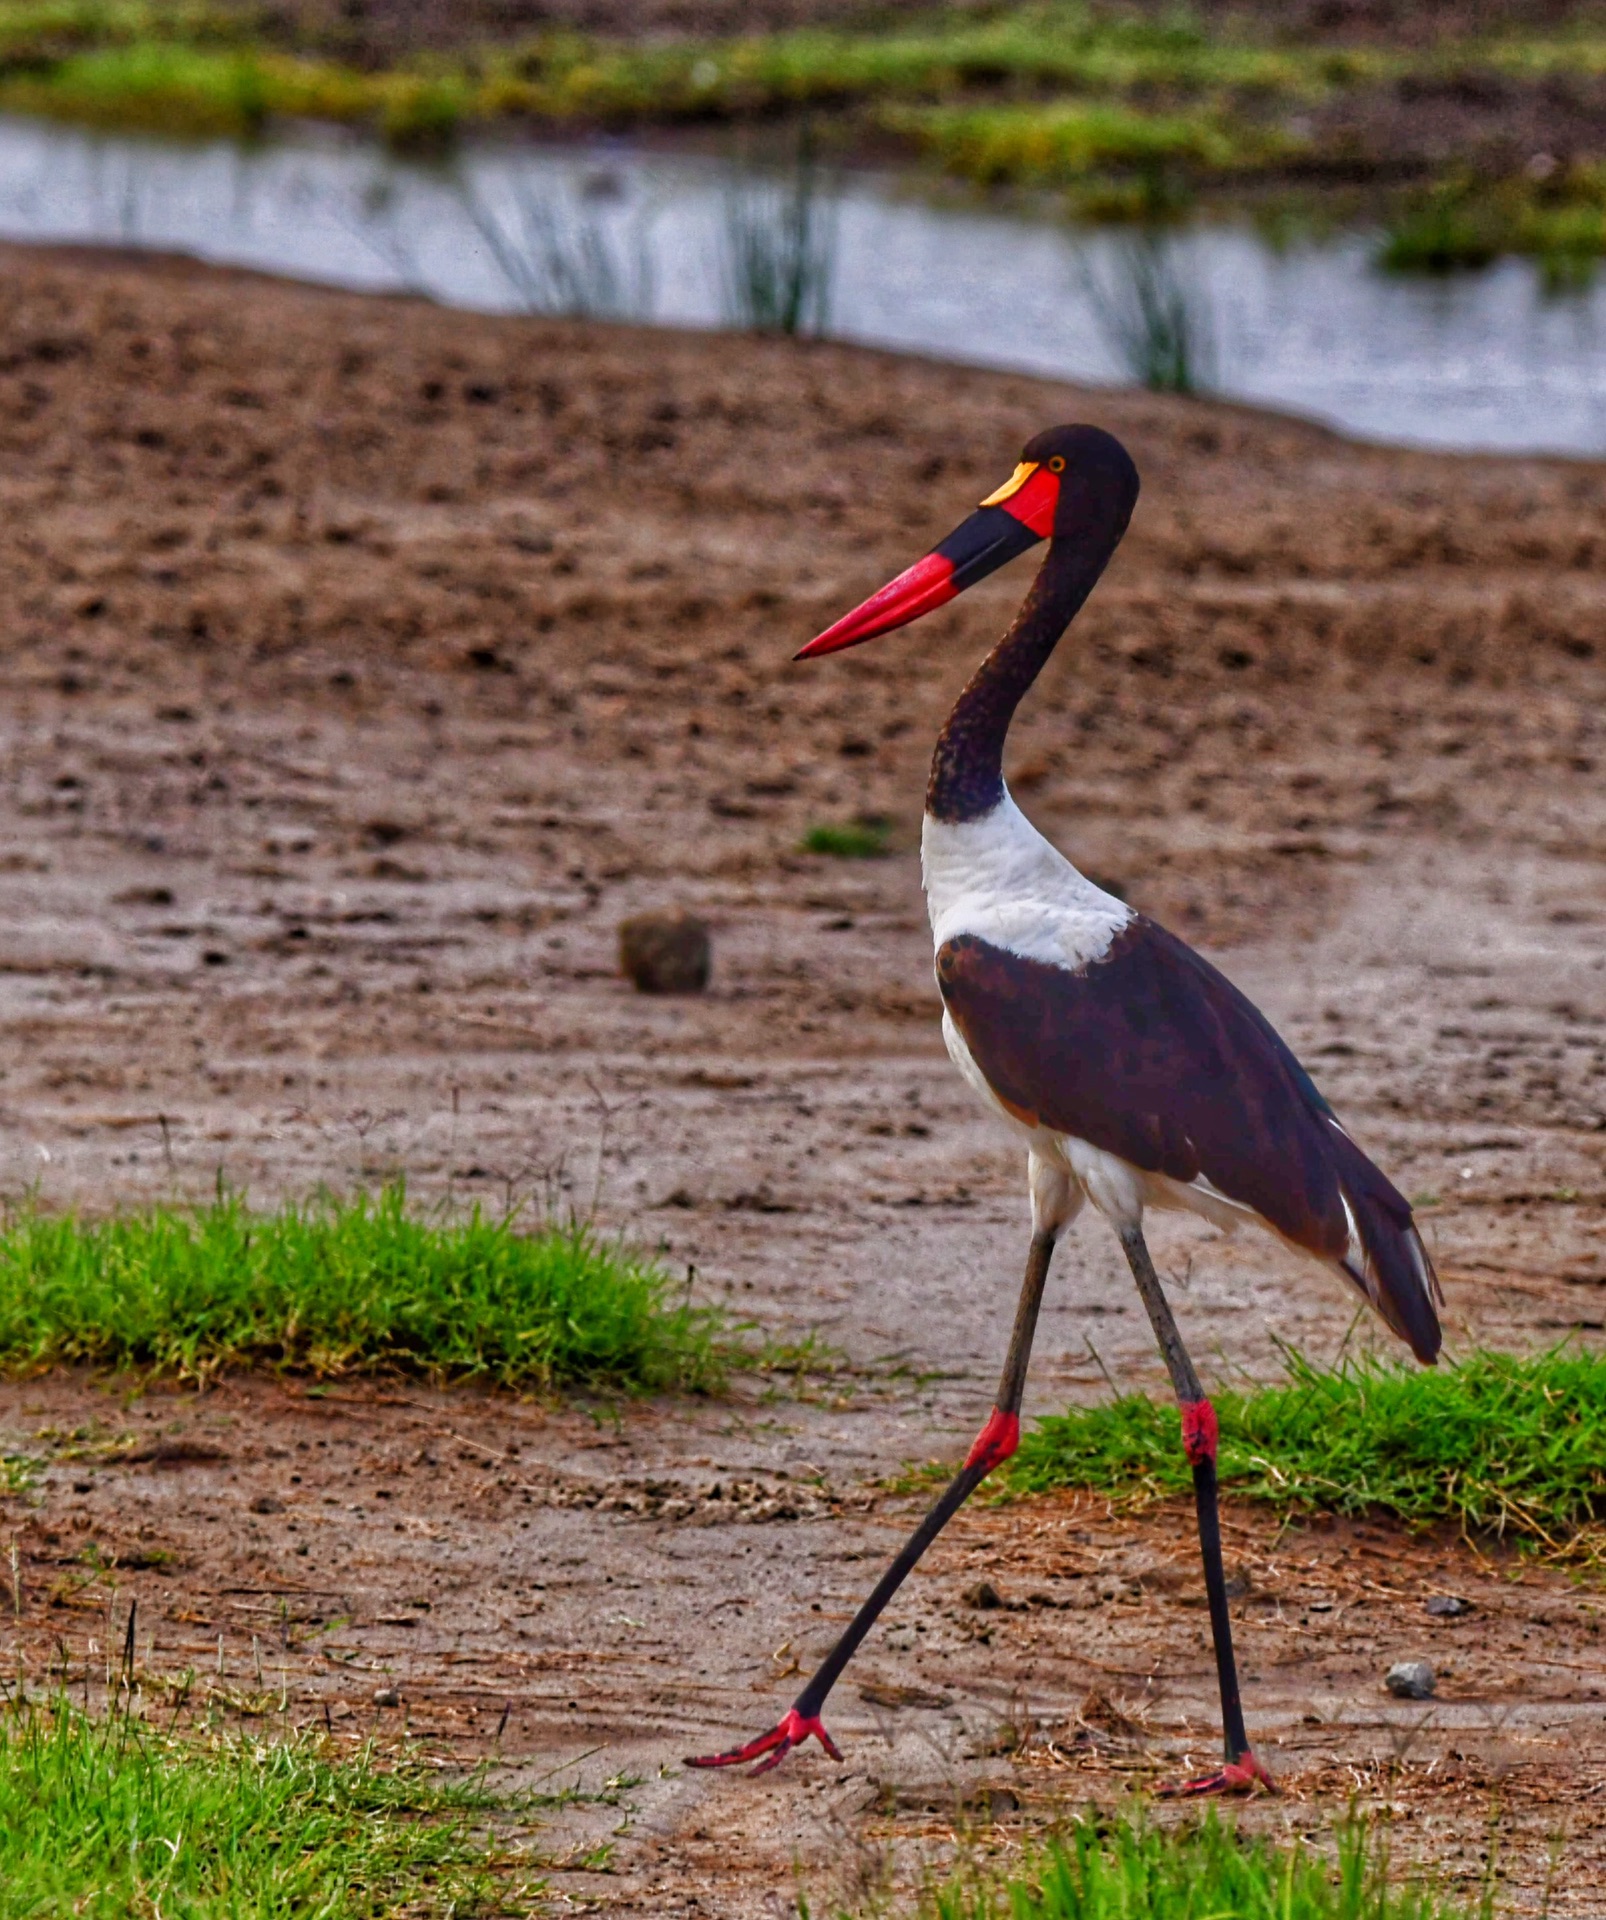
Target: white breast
998,878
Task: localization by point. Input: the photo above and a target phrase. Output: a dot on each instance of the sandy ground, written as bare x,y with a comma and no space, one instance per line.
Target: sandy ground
364,664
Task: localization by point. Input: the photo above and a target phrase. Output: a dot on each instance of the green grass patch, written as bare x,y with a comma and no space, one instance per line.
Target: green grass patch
848,839
1127,1869
1064,143
348,1285
1501,1446
200,91
1042,47
104,1819
1557,219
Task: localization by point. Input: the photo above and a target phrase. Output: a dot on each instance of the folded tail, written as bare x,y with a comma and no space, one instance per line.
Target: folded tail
1385,1257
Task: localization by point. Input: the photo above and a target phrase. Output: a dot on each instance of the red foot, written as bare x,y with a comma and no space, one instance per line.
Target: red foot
996,1441
1199,1431
777,1743
1243,1775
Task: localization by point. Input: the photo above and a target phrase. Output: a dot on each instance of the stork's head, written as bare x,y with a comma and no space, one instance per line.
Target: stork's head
1074,485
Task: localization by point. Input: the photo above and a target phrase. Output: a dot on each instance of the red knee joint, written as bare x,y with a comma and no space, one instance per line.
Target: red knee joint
1199,1431
996,1441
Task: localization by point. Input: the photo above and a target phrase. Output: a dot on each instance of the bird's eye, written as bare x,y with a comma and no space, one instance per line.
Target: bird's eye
1056,465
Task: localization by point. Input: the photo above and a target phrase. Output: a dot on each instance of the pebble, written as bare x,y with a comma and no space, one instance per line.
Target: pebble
386,1697
1447,1606
667,952
1410,1680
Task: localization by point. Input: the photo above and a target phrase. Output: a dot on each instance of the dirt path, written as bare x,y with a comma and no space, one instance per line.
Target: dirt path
363,664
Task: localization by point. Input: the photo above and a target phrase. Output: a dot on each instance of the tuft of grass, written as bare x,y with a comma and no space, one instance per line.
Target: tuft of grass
780,250
1121,1868
558,254
1556,217
102,1819
1505,1446
848,839
1439,232
1155,318
348,1285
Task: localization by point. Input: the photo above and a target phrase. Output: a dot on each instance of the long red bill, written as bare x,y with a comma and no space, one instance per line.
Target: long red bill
919,589
1016,517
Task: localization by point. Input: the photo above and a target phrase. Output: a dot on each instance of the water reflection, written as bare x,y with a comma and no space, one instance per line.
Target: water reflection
1483,361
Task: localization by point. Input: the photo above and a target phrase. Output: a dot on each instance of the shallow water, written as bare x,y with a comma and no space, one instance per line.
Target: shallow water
1479,361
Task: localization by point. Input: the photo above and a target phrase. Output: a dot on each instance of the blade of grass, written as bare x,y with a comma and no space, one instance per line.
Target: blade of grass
780,245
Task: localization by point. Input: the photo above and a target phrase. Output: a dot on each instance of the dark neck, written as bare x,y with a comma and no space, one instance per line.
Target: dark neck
967,770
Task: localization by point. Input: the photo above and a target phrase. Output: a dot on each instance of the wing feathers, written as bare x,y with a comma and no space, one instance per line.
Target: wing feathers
1151,1054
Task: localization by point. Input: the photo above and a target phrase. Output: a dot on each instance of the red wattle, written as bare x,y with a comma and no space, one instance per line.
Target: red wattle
1035,504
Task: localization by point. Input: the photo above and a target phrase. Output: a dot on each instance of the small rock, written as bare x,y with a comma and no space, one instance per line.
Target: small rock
386,1697
667,952
985,1596
1099,1712
988,1799
1447,1606
887,1693
265,1503
1410,1680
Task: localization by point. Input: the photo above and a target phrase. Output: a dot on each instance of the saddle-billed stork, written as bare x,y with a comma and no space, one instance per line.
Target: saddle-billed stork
1137,1075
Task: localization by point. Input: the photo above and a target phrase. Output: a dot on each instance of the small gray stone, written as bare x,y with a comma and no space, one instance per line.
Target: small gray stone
386,1697
1410,1680
1447,1606
667,952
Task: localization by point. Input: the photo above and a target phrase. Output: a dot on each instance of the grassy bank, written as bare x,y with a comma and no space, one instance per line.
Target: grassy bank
1500,1446
1123,111
1122,1868
342,1286
103,1819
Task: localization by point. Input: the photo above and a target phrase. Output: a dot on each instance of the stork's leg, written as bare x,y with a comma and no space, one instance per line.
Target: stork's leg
1242,1772
997,1440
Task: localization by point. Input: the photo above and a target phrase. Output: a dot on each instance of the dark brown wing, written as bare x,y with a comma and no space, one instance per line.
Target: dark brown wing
1153,1055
